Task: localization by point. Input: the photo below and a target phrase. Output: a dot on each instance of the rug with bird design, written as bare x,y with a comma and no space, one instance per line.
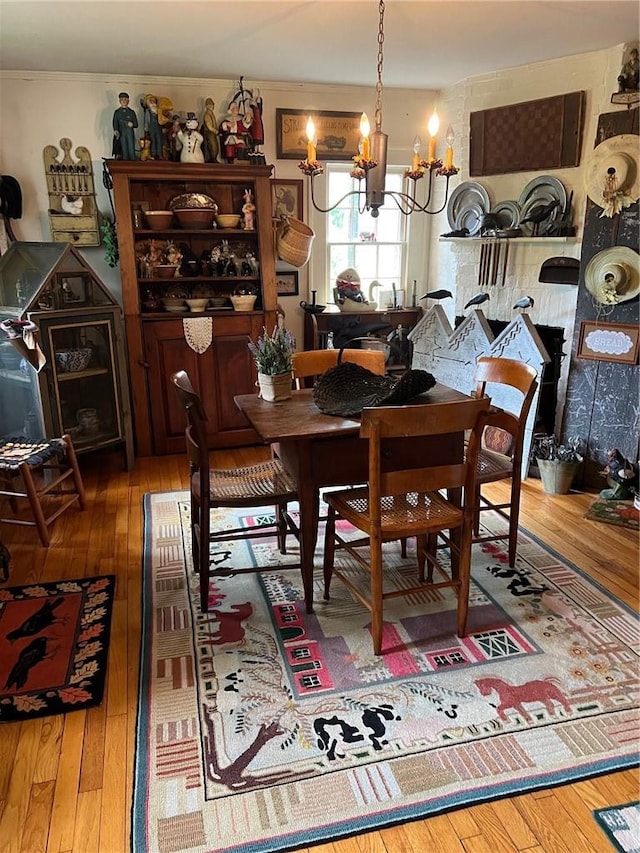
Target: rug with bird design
54,642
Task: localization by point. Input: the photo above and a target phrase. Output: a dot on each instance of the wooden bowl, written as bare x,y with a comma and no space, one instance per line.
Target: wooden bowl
194,218
228,220
158,220
164,270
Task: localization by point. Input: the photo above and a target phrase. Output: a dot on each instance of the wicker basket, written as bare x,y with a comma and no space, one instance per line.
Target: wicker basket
293,241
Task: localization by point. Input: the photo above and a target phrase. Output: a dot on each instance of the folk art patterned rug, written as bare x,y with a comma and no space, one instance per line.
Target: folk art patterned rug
621,825
262,728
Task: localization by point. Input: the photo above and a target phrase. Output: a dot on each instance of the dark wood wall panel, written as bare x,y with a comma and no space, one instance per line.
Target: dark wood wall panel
527,137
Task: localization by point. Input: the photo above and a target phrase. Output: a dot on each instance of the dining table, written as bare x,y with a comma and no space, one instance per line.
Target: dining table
322,451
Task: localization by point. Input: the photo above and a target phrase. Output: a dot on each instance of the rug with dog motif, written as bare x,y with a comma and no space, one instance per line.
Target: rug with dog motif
264,728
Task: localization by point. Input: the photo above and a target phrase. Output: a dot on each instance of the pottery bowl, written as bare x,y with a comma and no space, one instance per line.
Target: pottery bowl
228,220
175,306
165,270
243,303
158,220
195,218
197,304
72,360
219,301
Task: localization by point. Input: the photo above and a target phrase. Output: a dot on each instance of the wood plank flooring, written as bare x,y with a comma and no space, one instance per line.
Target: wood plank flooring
65,781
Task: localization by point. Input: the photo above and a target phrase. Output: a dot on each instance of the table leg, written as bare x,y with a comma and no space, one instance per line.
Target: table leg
296,457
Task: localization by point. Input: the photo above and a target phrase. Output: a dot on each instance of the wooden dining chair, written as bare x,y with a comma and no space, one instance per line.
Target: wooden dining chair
313,363
500,455
407,502
267,483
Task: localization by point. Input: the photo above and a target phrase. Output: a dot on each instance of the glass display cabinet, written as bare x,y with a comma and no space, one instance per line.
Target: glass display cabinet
82,388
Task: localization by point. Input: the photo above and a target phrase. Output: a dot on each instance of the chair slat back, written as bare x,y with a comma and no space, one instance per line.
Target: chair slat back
312,363
518,375
387,423
195,432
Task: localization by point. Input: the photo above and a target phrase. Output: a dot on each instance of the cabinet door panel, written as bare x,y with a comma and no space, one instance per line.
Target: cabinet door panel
218,374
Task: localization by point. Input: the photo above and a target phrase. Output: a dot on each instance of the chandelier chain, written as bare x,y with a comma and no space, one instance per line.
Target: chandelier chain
378,113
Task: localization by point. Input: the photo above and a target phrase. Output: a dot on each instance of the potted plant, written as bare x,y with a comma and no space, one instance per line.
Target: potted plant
273,354
557,463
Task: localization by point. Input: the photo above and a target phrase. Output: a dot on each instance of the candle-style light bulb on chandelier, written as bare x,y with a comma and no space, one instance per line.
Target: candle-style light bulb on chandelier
370,164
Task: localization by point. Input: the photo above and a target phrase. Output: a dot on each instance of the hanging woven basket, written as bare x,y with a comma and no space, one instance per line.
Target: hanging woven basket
293,241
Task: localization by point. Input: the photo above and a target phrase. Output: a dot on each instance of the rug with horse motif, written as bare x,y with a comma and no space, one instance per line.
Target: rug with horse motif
264,728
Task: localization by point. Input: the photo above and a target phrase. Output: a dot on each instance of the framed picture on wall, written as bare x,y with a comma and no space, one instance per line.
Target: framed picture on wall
286,198
617,342
337,134
287,283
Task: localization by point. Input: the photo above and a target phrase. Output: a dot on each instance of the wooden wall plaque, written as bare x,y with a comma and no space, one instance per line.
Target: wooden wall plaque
527,137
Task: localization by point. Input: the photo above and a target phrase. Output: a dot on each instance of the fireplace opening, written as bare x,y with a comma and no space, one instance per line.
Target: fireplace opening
553,339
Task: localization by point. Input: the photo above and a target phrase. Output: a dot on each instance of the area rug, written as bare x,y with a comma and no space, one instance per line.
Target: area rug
622,513
54,640
621,825
262,728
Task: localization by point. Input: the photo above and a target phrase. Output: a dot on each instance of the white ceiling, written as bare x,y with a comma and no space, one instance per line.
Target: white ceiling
428,43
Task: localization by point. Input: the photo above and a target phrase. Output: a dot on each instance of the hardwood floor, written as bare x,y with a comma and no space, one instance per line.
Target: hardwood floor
65,781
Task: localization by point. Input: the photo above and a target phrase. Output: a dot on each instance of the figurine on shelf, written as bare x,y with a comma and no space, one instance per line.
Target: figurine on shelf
190,141
145,148
124,122
209,129
172,138
235,131
248,211
257,129
151,125
629,78
172,254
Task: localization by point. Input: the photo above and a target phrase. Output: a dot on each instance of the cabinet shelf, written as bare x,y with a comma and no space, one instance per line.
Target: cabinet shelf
82,374
210,279
154,232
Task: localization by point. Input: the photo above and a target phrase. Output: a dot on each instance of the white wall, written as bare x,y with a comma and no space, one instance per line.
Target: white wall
454,265
38,109
46,107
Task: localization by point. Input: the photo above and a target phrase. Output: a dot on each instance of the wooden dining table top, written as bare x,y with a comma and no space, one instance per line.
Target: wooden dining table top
299,418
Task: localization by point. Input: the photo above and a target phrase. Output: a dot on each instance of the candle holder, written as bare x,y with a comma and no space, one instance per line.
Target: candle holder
432,164
311,167
414,174
447,171
364,163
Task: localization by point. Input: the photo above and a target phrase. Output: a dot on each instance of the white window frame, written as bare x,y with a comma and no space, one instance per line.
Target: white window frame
319,264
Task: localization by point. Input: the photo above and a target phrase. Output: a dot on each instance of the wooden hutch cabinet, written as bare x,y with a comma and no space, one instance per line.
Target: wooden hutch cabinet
155,337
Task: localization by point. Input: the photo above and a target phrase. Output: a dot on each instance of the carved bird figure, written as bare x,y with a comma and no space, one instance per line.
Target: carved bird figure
525,302
478,299
71,204
437,294
37,622
539,213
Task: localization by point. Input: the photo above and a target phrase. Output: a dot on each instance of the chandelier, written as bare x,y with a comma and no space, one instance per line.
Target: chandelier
370,163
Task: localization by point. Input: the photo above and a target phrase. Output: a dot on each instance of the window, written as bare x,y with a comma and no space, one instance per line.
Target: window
376,248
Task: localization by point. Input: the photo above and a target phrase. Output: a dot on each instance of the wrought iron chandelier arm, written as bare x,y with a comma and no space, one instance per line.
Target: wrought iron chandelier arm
335,204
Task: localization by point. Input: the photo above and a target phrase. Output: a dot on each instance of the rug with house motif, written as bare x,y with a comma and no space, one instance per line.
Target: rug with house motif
263,728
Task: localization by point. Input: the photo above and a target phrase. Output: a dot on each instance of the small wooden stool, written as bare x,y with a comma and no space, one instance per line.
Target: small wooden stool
43,467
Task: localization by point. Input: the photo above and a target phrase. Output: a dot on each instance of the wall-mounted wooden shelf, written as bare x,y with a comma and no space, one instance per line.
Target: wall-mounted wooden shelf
508,240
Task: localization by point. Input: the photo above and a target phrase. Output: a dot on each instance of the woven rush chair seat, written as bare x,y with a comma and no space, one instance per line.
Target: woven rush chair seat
267,483
506,430
408,502
253,483
50,476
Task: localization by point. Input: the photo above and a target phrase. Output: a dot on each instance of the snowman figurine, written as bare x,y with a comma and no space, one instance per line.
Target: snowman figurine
190,141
